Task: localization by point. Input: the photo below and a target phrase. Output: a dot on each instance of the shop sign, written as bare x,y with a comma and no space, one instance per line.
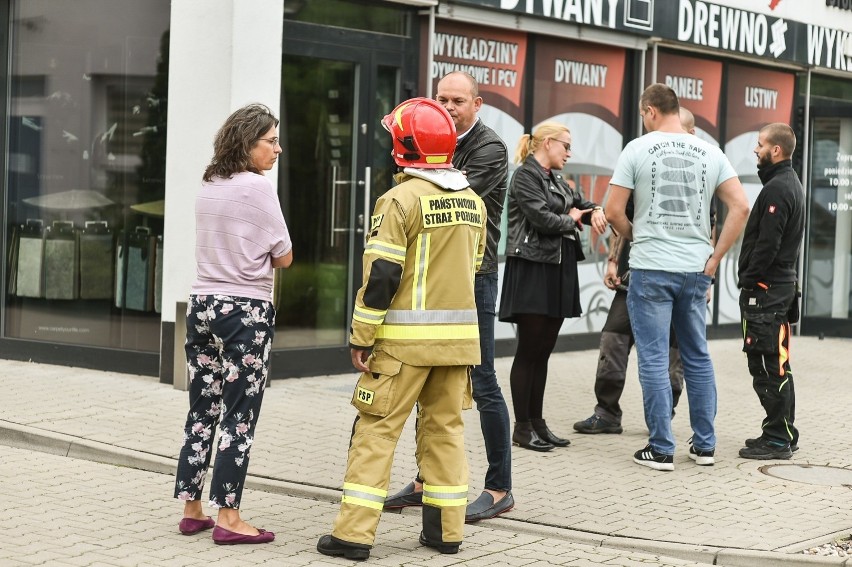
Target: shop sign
494,57
755,97
842,4
698,84
699,22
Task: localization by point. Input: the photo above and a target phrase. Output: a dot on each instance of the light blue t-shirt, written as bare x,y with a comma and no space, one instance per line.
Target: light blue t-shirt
673,177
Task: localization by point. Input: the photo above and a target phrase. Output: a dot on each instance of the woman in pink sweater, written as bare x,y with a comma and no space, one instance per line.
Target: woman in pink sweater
240,237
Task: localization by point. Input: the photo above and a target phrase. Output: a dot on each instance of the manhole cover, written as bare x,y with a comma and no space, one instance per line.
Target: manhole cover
822,475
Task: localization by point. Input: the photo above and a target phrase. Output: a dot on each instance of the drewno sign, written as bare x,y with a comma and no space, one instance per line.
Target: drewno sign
697,22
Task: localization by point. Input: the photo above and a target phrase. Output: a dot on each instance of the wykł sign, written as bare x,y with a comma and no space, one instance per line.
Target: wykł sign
697,22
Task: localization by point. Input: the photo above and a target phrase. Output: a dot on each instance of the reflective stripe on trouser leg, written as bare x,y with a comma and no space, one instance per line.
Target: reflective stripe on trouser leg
442,460
371,450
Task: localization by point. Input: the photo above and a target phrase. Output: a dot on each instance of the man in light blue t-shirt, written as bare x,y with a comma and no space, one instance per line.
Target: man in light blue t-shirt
673,176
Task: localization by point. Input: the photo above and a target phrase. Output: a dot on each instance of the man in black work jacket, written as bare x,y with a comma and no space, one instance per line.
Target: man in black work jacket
769,296
482,157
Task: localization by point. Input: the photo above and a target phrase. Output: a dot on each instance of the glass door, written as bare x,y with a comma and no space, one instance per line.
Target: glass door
336,161
827,292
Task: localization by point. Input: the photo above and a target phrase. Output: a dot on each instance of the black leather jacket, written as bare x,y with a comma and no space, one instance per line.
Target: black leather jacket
538,214
481,155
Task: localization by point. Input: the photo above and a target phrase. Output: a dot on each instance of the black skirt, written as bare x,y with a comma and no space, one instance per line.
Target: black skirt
537,288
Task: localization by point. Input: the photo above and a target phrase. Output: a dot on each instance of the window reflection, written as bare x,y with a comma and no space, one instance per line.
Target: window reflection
86,171
368,15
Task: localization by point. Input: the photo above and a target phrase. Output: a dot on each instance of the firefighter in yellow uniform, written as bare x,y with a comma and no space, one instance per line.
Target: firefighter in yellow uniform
414,335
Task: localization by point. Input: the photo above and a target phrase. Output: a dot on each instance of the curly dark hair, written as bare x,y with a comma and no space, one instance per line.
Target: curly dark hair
235,139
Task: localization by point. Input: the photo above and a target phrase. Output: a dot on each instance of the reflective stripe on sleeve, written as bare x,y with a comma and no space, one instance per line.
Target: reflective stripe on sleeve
362,495
368,316
445,496
385,250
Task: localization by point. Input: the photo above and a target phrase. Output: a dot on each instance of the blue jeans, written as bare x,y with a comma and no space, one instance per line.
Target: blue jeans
493,413
658,301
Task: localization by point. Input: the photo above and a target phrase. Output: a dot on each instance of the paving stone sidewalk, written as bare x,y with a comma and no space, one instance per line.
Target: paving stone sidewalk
68,512
590,493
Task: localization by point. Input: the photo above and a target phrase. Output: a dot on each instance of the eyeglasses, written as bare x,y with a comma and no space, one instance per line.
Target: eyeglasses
566,145
273,141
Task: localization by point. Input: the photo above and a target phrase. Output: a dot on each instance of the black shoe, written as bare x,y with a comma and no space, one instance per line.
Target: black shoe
440,546
526,437
404,498
702,457
546,434
648,457
330,545
752,442
484,507
764,450
597,424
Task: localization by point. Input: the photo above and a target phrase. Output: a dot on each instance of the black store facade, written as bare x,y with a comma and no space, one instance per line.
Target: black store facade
96,244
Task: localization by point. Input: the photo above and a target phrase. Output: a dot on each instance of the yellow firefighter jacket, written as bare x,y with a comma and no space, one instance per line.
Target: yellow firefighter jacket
425,244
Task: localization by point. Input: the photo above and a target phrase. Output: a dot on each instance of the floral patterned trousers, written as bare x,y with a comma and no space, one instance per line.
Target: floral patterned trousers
228,340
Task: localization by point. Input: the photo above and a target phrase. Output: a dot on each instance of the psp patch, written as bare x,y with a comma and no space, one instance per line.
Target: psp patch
365,396
376,221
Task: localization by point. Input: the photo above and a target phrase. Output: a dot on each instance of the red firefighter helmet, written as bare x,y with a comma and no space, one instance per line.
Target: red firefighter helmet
423,134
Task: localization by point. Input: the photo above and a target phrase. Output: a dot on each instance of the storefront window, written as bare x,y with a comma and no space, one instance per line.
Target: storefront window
829,258
85,178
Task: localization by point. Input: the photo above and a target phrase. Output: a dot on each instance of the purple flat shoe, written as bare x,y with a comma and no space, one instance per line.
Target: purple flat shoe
221,536
190,526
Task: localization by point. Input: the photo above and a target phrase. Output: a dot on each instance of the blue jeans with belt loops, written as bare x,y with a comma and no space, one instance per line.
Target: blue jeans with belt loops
658,301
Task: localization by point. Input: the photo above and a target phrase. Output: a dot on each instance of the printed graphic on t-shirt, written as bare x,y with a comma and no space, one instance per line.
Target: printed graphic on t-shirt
678,185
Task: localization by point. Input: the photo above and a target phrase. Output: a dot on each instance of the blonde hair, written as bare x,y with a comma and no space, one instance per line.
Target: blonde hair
530,143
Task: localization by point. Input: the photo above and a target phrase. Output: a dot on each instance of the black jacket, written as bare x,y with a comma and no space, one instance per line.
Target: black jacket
481,155
538,214
775,227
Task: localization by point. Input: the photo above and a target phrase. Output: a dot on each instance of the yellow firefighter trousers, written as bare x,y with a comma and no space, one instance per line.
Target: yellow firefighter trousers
442,392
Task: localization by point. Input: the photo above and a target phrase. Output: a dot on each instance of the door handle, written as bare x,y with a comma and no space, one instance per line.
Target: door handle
335,183
364,217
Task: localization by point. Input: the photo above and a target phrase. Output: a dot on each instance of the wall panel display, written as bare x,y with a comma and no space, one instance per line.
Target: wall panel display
86,127
582,86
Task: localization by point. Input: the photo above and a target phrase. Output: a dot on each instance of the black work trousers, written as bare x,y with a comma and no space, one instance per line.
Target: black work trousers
766,342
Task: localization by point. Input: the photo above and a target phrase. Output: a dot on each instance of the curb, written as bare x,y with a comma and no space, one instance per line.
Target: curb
44,441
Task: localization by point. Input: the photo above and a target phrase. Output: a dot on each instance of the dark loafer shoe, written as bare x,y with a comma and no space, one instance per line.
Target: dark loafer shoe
222,536
440,546
404,498
484,507
191,526
330,545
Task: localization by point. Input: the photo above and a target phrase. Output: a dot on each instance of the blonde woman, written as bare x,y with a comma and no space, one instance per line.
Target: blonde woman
540,287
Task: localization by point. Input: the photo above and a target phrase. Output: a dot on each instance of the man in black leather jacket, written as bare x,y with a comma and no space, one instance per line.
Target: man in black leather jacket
767,276
482,156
